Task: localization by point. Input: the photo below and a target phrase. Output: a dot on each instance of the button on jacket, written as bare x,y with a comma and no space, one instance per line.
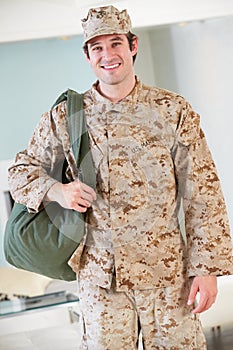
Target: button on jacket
154,176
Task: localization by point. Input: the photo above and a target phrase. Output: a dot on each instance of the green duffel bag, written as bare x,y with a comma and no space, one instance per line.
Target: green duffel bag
43,242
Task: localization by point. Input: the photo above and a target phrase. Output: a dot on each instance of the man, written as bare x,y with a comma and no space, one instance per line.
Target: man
135,269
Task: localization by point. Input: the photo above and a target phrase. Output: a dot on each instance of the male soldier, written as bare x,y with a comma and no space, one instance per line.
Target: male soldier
135,270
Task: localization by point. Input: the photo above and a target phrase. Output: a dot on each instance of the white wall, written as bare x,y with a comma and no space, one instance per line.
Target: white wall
26,19
144,64
195,59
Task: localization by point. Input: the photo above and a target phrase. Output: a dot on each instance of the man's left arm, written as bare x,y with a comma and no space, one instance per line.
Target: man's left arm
209,245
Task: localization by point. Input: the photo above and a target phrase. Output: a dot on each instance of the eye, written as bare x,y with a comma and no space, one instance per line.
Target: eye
117,43
96,48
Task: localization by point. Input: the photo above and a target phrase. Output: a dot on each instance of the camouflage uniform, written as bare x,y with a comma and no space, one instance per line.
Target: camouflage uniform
166,322
150,154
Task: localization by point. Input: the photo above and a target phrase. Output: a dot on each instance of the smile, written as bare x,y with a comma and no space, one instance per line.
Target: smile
112,66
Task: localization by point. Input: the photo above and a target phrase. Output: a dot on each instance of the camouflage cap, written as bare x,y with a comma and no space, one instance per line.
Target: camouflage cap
105,20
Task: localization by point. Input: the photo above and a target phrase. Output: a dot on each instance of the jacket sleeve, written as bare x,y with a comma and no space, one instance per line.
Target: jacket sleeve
208,239
38,167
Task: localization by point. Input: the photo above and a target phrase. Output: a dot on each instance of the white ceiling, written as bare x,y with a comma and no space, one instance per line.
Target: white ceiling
34,19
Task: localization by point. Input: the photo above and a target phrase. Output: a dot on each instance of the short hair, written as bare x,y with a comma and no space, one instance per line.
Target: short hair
130,36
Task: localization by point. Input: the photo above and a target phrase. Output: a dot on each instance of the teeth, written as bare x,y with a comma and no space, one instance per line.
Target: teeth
112,66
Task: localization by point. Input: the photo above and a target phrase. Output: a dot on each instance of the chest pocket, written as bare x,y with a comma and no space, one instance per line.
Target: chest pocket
142,183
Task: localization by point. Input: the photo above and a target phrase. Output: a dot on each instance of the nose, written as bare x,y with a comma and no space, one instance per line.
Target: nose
108,53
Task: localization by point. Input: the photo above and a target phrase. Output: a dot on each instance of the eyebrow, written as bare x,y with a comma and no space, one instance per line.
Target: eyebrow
116,38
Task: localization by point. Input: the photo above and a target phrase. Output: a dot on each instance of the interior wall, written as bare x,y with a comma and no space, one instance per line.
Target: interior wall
144,64
33,73
27,19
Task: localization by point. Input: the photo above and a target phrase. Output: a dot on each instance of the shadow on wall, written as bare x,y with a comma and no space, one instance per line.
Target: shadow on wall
162,50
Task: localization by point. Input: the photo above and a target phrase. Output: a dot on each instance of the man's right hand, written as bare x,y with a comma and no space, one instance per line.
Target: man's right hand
74,195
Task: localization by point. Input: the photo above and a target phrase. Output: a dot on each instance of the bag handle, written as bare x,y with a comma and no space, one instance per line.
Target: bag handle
79,137
74,105
76,125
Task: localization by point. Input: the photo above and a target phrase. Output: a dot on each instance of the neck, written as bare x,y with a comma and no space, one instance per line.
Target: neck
116,92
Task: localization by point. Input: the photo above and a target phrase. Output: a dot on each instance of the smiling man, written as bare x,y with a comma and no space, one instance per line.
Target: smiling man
135,270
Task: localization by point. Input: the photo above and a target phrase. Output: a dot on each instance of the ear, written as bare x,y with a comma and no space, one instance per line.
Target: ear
135,46
86,55
87,58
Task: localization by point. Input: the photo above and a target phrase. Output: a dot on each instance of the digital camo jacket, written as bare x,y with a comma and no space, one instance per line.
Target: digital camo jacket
151,160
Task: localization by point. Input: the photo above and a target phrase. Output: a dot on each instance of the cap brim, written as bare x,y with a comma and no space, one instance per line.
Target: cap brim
104,32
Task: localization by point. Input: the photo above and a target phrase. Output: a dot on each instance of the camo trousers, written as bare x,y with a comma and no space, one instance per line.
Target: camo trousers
112,320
